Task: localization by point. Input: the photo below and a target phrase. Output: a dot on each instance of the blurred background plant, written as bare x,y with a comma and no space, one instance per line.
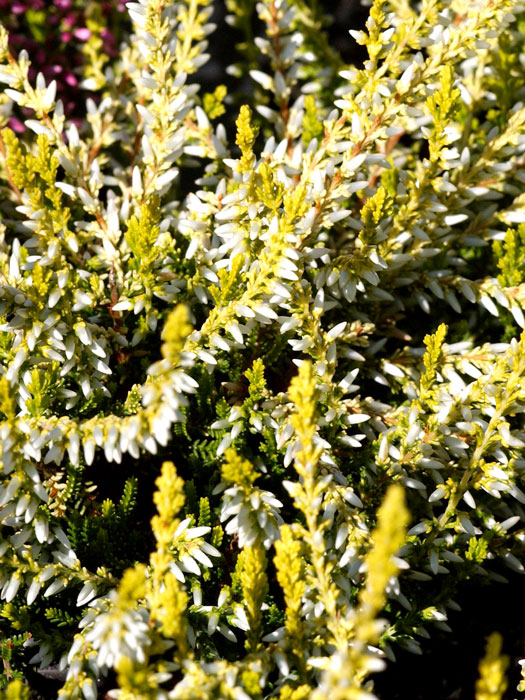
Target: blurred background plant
66,40
71,41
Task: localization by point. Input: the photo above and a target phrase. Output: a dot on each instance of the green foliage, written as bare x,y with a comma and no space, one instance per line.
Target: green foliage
11,677
108,532
61,618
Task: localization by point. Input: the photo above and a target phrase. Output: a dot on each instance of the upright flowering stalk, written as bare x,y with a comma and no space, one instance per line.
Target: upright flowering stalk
308,495
167,601
349,666
350,630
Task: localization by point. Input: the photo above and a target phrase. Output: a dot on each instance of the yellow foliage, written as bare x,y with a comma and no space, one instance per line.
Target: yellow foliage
491,684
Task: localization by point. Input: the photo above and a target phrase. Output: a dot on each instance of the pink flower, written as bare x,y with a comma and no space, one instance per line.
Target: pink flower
18,8
82,33
70,19
16,125
70,79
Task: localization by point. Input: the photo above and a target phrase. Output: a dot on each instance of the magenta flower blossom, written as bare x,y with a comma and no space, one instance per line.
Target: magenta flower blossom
82,33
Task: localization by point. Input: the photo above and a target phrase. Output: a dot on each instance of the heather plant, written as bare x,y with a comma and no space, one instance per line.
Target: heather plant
262,387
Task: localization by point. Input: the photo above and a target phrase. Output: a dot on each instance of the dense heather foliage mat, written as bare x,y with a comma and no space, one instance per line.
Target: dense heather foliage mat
263,373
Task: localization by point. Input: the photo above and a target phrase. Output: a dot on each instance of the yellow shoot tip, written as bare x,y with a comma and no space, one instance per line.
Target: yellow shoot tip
387,539
491,684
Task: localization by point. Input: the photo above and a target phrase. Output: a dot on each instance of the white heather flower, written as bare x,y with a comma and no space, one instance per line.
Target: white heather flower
189,549
115,634
251,516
